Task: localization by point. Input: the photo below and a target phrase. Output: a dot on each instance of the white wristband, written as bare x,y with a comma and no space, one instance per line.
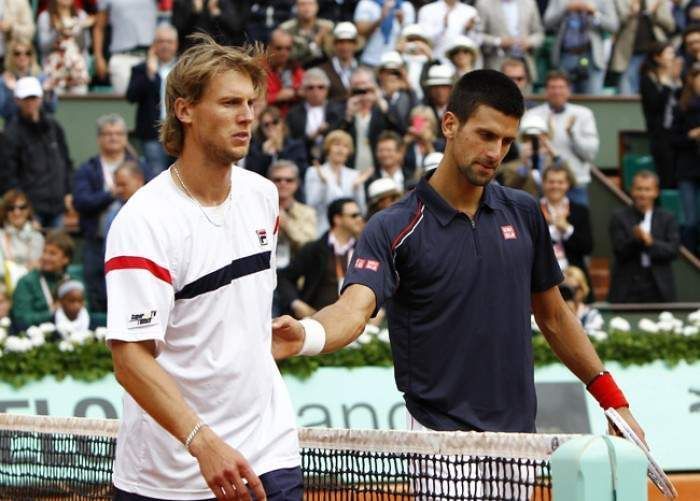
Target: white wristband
315,337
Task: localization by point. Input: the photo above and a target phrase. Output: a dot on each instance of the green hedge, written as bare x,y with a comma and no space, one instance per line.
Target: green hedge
91,361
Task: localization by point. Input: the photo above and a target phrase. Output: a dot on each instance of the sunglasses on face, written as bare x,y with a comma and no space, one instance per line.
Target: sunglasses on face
18,53
270,123
518,78
284,179
17,207
316,87
360,92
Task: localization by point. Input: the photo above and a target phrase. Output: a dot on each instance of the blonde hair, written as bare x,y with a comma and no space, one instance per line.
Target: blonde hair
11,66
576,274
193,72
338,136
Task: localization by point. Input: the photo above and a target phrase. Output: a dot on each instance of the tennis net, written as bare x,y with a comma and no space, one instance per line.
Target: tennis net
45,458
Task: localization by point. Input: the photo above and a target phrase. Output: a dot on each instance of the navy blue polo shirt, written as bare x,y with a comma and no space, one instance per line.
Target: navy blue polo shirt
457,296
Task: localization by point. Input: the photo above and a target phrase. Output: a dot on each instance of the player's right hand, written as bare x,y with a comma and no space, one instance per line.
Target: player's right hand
287,337
225,470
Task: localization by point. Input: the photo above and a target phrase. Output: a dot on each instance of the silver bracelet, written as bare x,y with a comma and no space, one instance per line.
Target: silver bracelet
193,433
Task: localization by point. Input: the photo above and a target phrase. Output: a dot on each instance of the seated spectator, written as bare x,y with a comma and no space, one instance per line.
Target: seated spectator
94,195
146,86
421,140
659,82
17,23
569,223
510,30
20,241
62,41
395,89
5,302
463,53
271,142
71,314
534,153
380,24
20,62
444,20
390,152
685,141
35,299
312,36
312,118
284,75
645,244
128,179
579,49
37,159
334,179
437,88
415,49
366,116
224,20
265,17
343,63
132,25
574,291
322,263
517,71
573,130
639,28
382,193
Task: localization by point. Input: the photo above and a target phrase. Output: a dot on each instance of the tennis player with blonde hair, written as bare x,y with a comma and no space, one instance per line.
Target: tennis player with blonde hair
190,274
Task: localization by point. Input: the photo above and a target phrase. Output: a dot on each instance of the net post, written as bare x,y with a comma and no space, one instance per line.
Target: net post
599,468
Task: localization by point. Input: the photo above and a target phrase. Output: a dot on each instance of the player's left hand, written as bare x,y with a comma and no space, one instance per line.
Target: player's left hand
287,337
626,414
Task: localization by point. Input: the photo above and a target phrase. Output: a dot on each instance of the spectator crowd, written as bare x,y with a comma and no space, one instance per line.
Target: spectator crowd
351,120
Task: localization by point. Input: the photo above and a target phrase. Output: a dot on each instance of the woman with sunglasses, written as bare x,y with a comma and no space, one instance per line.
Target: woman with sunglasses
271,142
21,243
21,61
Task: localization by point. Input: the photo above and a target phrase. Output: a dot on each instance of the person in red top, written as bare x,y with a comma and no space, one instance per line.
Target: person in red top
284,75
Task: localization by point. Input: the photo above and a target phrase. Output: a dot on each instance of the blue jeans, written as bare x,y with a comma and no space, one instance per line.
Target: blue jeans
593,84
156,158
579,194
629,82
279,485
689,191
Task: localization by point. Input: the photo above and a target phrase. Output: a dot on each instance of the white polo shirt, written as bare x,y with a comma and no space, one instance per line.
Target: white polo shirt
204,294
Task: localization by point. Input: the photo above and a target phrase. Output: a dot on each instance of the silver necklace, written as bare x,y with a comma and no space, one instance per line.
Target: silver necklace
201,207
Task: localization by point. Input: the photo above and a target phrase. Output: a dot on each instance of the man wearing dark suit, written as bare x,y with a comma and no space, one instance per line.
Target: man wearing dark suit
645,242
340,67
389,153
322,262
315,115
146,86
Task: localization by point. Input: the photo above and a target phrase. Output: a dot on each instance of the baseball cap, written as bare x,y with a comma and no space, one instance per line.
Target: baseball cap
382,187
533,125
431,161
391,60
440,74
345,31
28,87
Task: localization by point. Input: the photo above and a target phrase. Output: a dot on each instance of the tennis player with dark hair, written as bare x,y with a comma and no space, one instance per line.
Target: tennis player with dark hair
190,275
460,263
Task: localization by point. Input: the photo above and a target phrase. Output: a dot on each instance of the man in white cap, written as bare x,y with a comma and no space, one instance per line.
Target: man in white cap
443,20
415,48
437,87
463,53
37,159
396,89
381,193
380,23
340,67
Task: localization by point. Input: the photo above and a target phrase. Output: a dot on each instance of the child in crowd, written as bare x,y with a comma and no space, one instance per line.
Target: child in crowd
71,314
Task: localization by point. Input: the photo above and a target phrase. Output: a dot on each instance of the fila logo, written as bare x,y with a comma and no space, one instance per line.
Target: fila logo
366,264
508,232
262,236
142,319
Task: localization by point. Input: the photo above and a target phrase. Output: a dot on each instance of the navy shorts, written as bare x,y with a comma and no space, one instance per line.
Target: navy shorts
279,485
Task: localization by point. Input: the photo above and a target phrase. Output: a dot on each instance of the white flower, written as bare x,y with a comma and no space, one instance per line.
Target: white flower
646,325
619,324
3,334
364,338
665,326
690,330
79,337
34,331
533,324
5,322
65,346
694,318
18,344
598,335
371,330
47,328
666,316
101,333
383,335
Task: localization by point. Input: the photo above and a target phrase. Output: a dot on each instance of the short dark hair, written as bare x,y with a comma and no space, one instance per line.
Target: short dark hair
558,167
335,208
485,87
62,240
646,174
557,75
390,135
